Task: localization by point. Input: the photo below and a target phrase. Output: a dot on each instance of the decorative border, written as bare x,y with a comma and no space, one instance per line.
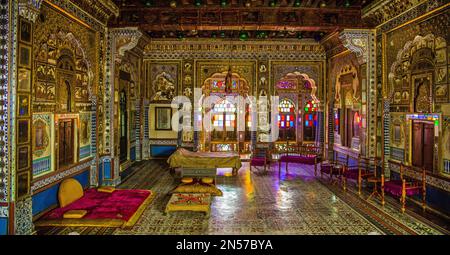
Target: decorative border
163,142
57,177
4,107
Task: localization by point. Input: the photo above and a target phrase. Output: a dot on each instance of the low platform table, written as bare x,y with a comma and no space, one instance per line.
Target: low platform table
197,202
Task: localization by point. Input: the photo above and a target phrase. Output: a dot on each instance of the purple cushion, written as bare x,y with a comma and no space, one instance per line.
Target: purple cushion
257,161
351,174
395,188
298,159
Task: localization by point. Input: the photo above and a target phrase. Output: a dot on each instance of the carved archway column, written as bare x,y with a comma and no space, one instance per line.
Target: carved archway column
120,40
362,43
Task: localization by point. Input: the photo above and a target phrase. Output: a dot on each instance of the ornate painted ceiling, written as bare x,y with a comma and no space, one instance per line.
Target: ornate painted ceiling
243,19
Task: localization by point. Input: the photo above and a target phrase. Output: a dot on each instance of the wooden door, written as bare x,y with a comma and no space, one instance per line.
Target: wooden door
428,146
417,142
66,145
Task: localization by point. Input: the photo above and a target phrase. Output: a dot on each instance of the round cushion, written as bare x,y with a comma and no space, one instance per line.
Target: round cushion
207,180
69,191
187,180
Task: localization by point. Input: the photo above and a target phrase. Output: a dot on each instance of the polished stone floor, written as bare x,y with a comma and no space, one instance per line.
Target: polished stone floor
257,203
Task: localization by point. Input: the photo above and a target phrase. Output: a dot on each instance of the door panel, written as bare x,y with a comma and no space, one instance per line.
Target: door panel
417,153
428,146
66,145
69,143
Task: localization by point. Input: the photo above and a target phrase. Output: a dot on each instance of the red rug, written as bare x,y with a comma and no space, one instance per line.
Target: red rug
119,208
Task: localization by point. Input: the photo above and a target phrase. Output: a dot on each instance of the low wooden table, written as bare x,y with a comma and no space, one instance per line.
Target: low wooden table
197,202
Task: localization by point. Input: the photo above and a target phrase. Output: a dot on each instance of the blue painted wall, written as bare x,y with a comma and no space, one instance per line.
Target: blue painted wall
3,226
49,197
162,150
100,173
435,198
133,153
107,169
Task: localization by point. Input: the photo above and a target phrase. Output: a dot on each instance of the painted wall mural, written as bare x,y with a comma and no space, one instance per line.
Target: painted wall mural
85,134
43,135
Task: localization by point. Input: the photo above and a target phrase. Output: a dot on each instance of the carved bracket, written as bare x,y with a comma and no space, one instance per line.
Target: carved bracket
29,9
357,41
124,39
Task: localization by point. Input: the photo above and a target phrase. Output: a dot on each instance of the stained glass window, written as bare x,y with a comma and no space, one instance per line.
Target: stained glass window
224,112
311,107
286,116
219,85
287,84
356,124
336,120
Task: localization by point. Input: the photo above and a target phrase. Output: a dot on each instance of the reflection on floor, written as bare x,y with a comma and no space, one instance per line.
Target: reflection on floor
255,203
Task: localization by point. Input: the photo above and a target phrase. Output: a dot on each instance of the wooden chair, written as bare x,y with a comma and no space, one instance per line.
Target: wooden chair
361,171
260,157
403,187
334,167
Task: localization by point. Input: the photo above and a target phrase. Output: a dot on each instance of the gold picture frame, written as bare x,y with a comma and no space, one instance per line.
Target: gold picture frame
25,56
23,184
163,118
24,84
23,157
23,131
23,105
25,31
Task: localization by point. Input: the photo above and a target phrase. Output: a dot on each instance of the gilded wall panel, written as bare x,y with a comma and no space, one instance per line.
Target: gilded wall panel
163,80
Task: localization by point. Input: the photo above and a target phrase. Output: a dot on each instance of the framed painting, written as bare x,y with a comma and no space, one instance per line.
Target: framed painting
24,80
23,157
23,131
23,184
25,56
163,118
23,109
25,31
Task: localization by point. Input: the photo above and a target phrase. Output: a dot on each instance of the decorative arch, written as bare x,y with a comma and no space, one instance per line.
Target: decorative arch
59,48
216,84
348,71
417,54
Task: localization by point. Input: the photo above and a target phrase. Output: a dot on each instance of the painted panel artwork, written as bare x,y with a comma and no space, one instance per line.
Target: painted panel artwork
24,80
23,154
25,56
163,118
25,31
42,148
23,109
23,131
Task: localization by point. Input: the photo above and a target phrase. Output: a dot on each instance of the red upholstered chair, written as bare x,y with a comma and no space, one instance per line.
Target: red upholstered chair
403,187
361,171
260,157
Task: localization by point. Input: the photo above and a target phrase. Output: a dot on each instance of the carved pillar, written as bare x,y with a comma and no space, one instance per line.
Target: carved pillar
362,43
119,41
15,117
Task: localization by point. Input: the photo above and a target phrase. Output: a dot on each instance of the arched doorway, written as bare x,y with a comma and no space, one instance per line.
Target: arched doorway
229,114
298,109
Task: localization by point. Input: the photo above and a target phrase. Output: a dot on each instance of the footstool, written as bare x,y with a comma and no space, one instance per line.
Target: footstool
197,202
